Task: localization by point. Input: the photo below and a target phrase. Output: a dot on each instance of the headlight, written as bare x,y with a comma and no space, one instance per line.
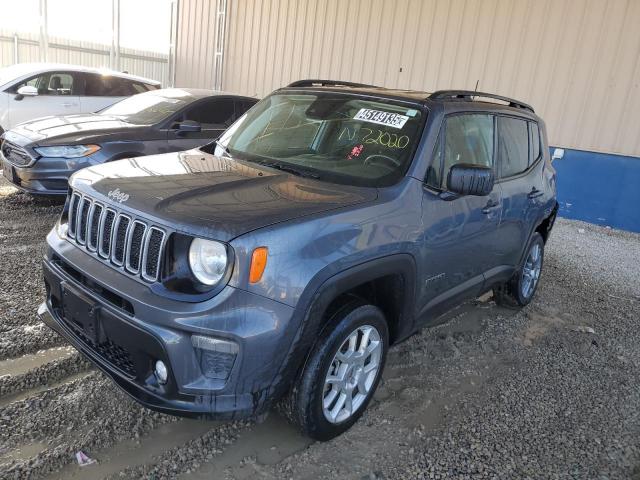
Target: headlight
67,151
208,260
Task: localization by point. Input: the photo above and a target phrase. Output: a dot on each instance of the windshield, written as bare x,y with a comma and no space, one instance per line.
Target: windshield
7,74
341,138
147,108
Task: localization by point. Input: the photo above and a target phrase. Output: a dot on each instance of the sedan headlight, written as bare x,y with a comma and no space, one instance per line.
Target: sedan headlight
67,151
208,260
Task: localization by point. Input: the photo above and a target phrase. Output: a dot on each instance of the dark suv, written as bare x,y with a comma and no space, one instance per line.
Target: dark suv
328,223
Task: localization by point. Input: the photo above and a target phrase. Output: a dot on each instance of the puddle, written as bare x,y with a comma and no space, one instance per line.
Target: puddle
129,453
22,453
267,443
24,394
21,365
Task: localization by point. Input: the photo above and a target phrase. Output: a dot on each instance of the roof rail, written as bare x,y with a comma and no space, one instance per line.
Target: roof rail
326,83
469,94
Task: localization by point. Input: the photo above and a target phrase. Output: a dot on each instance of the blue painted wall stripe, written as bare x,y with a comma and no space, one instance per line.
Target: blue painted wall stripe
599,188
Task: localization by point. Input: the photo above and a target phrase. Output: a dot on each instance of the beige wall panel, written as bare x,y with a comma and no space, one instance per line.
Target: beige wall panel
576,61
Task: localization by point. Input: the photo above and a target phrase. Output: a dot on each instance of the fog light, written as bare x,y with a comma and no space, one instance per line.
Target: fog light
216,356
161,372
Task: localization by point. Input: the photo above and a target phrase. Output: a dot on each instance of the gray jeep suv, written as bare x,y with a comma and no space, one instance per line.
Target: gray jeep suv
278,264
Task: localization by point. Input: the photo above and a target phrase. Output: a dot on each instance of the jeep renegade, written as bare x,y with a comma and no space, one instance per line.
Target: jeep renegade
278,264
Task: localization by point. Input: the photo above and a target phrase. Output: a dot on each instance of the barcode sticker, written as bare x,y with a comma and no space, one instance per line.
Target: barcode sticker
381,118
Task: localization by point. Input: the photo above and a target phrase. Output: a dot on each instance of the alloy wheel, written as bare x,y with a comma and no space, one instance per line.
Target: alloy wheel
352,374
531,270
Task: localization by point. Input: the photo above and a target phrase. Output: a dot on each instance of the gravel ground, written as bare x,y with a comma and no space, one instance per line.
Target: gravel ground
545,392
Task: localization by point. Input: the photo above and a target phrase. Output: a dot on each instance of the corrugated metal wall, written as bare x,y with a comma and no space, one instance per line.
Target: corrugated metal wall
576,61
137,62
196,43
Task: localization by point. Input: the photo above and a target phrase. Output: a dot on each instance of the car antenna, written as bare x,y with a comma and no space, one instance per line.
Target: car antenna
477,83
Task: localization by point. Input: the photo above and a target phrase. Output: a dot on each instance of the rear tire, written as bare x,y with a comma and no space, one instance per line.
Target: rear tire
342,373
519,291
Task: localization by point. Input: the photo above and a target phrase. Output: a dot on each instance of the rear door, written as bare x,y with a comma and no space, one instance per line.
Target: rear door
57,95
214,115
460,232
520,179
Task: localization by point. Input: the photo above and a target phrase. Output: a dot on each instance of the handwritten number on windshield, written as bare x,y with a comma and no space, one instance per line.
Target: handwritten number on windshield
376,137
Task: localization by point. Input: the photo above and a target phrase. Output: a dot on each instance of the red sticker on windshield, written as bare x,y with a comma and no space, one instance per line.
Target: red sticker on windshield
355,151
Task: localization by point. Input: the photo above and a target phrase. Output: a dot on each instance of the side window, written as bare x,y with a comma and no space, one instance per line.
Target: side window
108,86
137,87
534,142
214,113
513,146
467,139
93,85
51,83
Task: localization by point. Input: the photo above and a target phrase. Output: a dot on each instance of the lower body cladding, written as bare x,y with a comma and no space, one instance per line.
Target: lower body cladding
215,359
48,176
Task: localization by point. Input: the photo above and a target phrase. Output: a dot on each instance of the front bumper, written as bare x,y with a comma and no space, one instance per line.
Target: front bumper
48,176
153,328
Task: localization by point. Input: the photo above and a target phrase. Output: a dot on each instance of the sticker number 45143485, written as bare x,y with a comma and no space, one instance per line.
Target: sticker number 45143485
381,118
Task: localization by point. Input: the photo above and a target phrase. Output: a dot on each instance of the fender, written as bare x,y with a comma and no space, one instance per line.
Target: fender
308,314
552,216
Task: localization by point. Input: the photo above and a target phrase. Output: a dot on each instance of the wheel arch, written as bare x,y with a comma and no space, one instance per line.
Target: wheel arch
325,293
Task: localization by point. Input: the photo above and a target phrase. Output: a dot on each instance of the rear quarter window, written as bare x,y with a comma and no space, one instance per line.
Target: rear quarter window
534,142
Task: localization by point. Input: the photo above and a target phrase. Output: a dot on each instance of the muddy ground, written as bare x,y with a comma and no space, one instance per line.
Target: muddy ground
549,391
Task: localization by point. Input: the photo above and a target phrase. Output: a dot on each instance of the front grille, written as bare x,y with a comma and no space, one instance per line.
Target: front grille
82,220
115,237
16,155
94,226
134,249
120,239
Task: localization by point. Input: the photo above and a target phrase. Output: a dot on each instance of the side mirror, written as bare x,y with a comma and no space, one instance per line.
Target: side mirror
26,91
558,153
468,179
189,126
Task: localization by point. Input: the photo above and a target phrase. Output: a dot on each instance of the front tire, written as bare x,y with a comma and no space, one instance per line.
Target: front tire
342,372
519,291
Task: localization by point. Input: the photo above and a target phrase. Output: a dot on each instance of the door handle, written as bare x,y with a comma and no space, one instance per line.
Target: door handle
67,104
535,193
491,204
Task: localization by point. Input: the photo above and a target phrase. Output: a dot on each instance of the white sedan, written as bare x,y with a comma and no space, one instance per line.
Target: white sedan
29,90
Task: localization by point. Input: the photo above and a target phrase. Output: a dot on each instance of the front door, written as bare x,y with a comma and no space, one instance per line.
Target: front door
460,233
57,95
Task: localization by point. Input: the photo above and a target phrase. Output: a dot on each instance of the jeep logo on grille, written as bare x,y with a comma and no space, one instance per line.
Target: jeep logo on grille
118,196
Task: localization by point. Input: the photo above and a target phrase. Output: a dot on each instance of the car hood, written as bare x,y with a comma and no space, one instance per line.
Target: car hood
211,196
69,128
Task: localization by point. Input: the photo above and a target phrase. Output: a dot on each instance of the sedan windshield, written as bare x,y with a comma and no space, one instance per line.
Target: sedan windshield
337,137
8,74
148,108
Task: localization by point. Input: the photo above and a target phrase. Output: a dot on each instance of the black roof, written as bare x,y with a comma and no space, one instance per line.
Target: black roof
415,95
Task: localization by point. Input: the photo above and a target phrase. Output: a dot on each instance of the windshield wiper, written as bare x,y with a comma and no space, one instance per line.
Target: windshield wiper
290,169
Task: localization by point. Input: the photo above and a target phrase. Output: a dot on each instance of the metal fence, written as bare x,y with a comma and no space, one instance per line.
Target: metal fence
25,47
